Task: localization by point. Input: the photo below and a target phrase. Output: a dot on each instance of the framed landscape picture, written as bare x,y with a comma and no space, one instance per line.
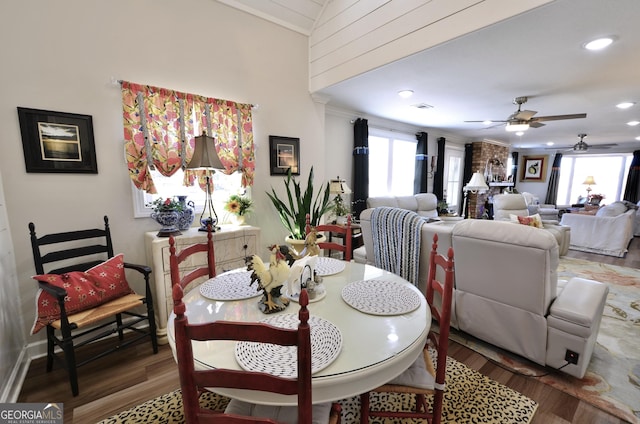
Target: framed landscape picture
57,141
285,155
534,168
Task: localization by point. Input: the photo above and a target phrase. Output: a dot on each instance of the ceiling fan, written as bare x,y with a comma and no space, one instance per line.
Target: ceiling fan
582,146
521,120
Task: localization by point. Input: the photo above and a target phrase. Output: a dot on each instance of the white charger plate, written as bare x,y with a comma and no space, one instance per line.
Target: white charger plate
326,343
230,286
329,266
379,297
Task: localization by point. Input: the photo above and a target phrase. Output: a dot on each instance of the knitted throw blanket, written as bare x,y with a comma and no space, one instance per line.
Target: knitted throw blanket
396,241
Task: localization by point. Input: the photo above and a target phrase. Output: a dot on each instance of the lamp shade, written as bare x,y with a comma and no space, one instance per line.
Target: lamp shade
589,180
205,154
338,186
476,183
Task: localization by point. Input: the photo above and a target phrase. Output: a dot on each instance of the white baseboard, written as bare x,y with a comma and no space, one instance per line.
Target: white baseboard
13,385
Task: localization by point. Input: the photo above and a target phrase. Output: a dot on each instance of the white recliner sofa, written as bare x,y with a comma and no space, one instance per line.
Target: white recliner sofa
424,204
507,205
507,291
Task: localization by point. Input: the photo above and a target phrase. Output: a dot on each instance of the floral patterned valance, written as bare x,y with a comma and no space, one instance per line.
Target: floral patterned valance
160,126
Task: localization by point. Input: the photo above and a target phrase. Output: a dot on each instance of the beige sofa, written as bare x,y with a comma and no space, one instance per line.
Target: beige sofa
507,292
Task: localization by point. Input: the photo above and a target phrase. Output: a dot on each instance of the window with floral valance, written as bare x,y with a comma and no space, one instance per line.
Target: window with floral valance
160,126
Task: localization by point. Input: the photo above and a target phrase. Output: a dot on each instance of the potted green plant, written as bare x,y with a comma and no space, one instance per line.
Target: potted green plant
339,209
297,204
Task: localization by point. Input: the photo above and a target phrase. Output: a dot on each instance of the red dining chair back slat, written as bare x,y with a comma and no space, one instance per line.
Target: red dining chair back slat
175,259
439,298
345,231
193,381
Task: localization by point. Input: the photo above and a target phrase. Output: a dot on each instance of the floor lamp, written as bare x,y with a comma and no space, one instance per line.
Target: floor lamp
476,184
206,157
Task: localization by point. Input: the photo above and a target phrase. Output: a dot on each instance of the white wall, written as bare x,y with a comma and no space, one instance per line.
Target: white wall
62,55
13,363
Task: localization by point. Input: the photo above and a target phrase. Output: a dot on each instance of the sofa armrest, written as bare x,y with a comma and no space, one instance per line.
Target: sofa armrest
578,308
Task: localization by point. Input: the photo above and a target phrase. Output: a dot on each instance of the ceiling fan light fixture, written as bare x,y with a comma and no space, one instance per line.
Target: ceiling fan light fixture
517,127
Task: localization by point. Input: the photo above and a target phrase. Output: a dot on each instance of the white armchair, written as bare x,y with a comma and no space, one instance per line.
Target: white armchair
547,212
508,204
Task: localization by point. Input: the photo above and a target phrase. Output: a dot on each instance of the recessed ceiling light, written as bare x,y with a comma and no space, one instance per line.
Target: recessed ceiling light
625,105
599,43
487,122
405,93
550,143
638,138
520,133
633,123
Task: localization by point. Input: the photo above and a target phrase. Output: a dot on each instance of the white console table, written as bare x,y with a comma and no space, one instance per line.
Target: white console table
232,245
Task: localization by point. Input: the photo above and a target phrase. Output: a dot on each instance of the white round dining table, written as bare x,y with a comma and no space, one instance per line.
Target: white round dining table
375,348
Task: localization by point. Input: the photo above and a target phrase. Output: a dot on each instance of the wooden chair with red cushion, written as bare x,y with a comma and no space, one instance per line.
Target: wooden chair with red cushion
176,259
84,295
422,379
345,232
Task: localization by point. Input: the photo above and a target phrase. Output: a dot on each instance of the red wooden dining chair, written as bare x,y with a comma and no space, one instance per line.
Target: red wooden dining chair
175,259
193,381
345,231
422,379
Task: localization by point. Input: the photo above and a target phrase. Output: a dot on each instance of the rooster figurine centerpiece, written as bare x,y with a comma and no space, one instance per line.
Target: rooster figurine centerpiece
270,279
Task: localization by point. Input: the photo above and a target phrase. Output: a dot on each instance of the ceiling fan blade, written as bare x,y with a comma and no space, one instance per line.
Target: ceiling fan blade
524,115
602,146
535,124
559,117
491,120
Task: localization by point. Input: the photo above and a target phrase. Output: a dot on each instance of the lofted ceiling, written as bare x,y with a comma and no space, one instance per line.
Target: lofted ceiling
538,54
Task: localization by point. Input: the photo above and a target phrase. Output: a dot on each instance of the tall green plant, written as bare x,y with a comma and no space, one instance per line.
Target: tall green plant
293,212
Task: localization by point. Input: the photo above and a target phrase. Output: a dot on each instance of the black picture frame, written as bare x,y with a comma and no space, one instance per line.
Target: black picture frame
285,155
57,142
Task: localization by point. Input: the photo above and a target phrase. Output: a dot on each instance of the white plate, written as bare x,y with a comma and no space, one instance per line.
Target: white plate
326,343
329,266
378,297
230,286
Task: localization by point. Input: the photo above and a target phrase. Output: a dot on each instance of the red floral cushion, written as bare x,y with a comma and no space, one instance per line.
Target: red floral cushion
85,290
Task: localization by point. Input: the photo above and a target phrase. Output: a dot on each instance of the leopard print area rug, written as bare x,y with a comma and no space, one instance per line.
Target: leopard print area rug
470,398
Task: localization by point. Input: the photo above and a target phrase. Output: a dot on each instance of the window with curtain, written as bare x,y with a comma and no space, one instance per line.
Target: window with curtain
608,171
391,163
159,128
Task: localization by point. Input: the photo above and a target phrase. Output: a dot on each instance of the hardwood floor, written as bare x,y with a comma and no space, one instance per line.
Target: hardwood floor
133,375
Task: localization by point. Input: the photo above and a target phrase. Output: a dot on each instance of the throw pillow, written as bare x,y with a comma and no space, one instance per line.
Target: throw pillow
532,220
85,290
612,210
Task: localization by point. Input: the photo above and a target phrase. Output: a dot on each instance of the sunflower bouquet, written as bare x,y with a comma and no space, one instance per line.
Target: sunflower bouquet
238,205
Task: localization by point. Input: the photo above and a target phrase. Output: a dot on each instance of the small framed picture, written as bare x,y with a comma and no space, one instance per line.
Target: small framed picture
534,168
57,141
285,155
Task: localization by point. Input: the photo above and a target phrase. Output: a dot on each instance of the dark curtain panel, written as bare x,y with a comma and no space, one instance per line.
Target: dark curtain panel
514,167
438,179
632,190
554,179
467,172
360,166
422,164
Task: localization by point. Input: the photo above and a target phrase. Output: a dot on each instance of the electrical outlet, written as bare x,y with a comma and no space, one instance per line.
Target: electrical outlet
571,357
